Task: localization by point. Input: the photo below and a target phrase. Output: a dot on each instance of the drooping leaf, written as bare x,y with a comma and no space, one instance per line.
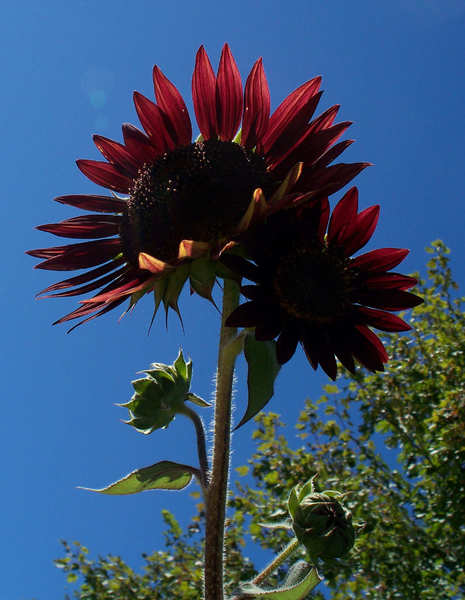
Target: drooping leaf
292,592
165,475
263,368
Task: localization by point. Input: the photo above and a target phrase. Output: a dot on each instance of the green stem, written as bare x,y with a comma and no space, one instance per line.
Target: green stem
218,486
273,565
201,444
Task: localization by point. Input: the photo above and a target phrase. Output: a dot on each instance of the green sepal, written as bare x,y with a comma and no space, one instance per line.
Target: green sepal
197,400
286,524
297,572
263,368
293,502
238,138
202,277
291,592
175,283
165,475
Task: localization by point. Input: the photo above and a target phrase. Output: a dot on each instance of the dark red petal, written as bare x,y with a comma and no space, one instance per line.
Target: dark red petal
286,345
252,292
173,106
105,174
381,320
204,95
325,120
367,348
328,180
247,315
256,106
93,285
87,226
79,312
332,154
103,204
390,281
323,218
310,147
228,96
318,349
81,256
379,260
289,119
346,358
151,118
84,277
328,362
388,299
241,266
360,231
138,144
118,155
344,214
268,331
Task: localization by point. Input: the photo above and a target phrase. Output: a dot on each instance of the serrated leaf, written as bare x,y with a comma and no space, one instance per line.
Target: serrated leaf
165,475
293,592
263,368
197,400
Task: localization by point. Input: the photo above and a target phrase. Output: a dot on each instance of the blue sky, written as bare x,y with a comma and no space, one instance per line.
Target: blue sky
68,71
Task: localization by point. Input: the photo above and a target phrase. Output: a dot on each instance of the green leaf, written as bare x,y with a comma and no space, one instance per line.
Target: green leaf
262,371
293,502
293,592
165,475
182,367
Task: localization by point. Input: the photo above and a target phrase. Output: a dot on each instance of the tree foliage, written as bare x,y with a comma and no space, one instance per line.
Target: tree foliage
393,441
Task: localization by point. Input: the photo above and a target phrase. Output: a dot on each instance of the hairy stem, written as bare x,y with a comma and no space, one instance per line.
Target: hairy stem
201,444
218,485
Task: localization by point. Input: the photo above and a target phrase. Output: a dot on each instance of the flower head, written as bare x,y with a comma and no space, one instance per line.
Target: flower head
309,289
320,522
185,202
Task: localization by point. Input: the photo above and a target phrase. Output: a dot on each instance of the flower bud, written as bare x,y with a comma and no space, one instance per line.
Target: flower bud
321,523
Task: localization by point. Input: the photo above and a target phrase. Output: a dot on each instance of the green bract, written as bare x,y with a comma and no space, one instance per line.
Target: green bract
320,522
160,395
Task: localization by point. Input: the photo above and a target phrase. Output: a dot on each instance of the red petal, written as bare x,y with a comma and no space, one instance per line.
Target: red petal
90,286
379,260
312,146
102,204
388,299
328,180
79,312
256,106
173,106
360,230
83,278
204,95
249,314
291,116
390,281
269,331
139,144
332,154
117,154
241,266
368,349
80,256
286,345
228,96
381,319
105,174
344,214
87,226
151,118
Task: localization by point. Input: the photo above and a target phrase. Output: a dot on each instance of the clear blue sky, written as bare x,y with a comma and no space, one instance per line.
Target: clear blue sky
68,70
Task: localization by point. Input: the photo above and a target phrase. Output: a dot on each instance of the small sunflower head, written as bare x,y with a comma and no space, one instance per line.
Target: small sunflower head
320,522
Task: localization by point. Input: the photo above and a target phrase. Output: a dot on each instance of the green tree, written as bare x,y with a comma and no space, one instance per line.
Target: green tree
394,442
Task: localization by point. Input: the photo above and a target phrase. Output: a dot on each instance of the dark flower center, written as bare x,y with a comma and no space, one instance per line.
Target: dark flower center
314,283
197,192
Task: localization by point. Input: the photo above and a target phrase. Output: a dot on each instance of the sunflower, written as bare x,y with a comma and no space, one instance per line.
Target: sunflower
178,204
309,289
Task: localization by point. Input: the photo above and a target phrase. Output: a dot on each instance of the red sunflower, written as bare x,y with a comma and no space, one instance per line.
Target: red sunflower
184,202
308,289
